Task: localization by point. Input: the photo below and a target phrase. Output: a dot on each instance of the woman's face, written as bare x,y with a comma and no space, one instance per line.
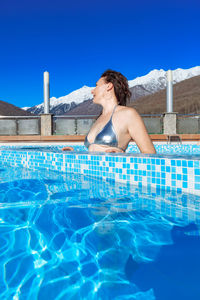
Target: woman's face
99,91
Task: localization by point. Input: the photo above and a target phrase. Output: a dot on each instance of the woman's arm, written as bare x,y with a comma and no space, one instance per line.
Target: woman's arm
138,132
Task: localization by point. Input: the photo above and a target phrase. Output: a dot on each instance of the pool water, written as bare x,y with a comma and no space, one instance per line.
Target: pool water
189,149
68,236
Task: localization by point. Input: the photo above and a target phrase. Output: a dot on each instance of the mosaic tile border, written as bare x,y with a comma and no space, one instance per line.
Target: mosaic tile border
153,171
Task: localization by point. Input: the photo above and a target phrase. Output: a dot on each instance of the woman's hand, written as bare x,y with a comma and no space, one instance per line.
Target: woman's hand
68,149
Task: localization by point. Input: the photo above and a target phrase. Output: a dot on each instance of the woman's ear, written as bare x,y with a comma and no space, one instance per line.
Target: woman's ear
109,86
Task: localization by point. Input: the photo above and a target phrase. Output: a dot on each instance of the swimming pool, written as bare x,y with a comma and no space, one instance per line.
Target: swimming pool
78,236
160,171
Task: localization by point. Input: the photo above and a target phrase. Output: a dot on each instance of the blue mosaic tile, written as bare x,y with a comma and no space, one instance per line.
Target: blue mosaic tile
185,170
197,178
179,176
173,162
184,163
197,186
163,175
163,181
190,164
173,183
134,169
197,171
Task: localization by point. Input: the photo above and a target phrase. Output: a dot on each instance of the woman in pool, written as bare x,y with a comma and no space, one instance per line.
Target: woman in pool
118,124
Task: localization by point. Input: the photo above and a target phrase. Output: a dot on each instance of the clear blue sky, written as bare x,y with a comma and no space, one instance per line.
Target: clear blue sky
76,40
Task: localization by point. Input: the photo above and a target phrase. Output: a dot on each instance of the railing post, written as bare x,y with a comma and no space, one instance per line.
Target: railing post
46,118
169,118
46,124
169,123
46,93
169,92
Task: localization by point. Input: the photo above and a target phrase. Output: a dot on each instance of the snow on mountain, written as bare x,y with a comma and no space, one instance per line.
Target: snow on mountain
77,96
152,76
156,79
26,107
140,86
63,104
156,75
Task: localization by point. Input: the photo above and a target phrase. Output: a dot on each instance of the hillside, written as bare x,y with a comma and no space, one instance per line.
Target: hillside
186,95
85,108
7,109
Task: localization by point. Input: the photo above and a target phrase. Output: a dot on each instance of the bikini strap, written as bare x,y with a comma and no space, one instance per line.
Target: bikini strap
114,110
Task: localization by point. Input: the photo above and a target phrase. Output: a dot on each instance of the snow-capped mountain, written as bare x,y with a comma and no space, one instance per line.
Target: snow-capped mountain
140,86
156,80
63,104
157,77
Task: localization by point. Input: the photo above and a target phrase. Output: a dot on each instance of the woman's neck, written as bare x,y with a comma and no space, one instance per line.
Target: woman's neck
109,105
108,110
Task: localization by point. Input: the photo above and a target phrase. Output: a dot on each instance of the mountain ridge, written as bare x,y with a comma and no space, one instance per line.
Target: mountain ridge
8,109
142,86
186,99
186,96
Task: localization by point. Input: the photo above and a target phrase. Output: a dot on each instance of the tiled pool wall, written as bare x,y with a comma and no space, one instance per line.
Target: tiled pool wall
153,171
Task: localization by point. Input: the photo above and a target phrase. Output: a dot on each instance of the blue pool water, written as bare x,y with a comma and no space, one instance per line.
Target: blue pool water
177,149
68,236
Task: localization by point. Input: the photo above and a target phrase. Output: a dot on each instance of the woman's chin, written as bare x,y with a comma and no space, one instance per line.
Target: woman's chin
95,101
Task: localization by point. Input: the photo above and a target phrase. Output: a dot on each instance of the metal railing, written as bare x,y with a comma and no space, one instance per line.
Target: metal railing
20,125
72,125
80,125
153,123
188,124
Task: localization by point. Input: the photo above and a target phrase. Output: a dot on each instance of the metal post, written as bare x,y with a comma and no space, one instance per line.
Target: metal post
169,92
46,93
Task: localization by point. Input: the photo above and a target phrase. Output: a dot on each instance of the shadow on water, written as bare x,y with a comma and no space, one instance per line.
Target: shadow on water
175,273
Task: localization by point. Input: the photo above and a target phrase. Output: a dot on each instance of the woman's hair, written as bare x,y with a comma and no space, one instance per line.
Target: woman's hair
120,84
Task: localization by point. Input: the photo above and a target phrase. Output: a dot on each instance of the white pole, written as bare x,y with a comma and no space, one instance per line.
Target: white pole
46,93
169,92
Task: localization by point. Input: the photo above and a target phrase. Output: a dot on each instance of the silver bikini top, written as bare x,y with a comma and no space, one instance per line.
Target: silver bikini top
106,136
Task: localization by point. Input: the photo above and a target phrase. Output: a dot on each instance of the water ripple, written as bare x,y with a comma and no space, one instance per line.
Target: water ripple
65,236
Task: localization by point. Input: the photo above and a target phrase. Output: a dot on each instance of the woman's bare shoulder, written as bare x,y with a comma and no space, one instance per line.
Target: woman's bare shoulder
128,111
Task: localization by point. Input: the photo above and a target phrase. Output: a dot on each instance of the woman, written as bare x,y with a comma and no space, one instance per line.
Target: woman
117,124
